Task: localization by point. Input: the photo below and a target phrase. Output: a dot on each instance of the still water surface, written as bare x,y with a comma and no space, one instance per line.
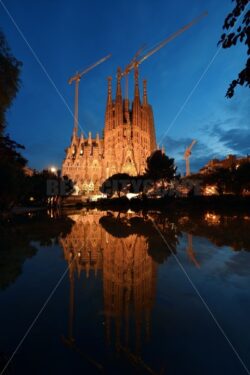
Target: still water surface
125,303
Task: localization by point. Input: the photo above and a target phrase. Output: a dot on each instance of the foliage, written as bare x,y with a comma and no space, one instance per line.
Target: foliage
36,186
9,79
231,37
241,178
221,178
160,167
230,180
115,184
11,171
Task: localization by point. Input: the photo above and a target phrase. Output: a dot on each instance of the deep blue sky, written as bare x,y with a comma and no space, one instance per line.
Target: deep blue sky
70,35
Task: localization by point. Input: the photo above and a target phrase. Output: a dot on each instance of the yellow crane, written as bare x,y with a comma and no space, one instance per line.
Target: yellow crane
187,154
135,62
76,78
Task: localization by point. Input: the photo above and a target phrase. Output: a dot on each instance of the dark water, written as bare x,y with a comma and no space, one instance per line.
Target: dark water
125,294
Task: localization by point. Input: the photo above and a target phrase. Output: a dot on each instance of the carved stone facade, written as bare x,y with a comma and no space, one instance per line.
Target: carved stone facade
128,139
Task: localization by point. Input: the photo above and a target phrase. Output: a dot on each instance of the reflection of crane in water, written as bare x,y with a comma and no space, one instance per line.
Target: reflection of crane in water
70,342
137,361
190,251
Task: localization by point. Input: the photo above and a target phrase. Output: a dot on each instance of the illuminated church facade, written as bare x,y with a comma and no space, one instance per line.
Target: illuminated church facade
128,139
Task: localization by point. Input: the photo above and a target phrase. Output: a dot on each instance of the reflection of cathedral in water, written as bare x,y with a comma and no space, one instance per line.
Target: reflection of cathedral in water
129,276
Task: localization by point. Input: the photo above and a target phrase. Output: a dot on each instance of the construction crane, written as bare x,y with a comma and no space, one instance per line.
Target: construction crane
135,62
77,77
187,154
129,67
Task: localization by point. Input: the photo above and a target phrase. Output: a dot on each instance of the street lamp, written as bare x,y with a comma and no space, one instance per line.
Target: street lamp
53,170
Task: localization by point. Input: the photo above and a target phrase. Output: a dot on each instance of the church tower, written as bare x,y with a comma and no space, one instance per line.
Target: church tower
128,139
129,135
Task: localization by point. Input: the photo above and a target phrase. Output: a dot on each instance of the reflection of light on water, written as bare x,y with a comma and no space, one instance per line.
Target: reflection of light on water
212,218
183,219
210,190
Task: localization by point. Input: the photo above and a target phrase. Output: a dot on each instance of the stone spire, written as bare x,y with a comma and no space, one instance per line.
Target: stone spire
97,138
109,112
137,93
145,95
109,99
118,100
81,144
118,86
136,104
90,139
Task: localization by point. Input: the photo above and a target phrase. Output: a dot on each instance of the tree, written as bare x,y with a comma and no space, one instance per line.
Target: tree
116,184
11,161
233,180
221,178
160,167
231,37
9,79
45,184
12,165
241,178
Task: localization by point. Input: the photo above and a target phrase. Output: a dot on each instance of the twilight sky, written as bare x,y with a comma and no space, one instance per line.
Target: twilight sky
67,36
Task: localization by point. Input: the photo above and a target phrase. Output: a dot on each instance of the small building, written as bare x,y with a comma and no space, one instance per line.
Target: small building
229,162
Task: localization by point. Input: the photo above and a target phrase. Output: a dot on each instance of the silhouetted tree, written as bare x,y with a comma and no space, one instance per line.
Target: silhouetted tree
241,178
221,178
160,167
229,180
45,184
9,79
116,184
238,32
11,172
11,161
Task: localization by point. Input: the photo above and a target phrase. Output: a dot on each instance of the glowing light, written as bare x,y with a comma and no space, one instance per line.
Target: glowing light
210,190
53,169
212,218
131,195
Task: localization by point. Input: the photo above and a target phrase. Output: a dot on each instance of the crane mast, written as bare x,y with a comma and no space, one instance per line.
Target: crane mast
76,78
187,154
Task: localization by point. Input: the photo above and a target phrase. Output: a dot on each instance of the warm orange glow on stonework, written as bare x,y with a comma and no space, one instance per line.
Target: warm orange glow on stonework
129,138
129,274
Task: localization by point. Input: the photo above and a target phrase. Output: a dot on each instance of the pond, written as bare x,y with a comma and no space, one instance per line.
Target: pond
125,293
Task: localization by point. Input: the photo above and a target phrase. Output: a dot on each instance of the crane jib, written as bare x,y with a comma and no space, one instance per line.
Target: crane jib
134,63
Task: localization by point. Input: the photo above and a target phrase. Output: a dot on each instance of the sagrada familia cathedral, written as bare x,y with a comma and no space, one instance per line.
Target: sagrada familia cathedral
128,139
